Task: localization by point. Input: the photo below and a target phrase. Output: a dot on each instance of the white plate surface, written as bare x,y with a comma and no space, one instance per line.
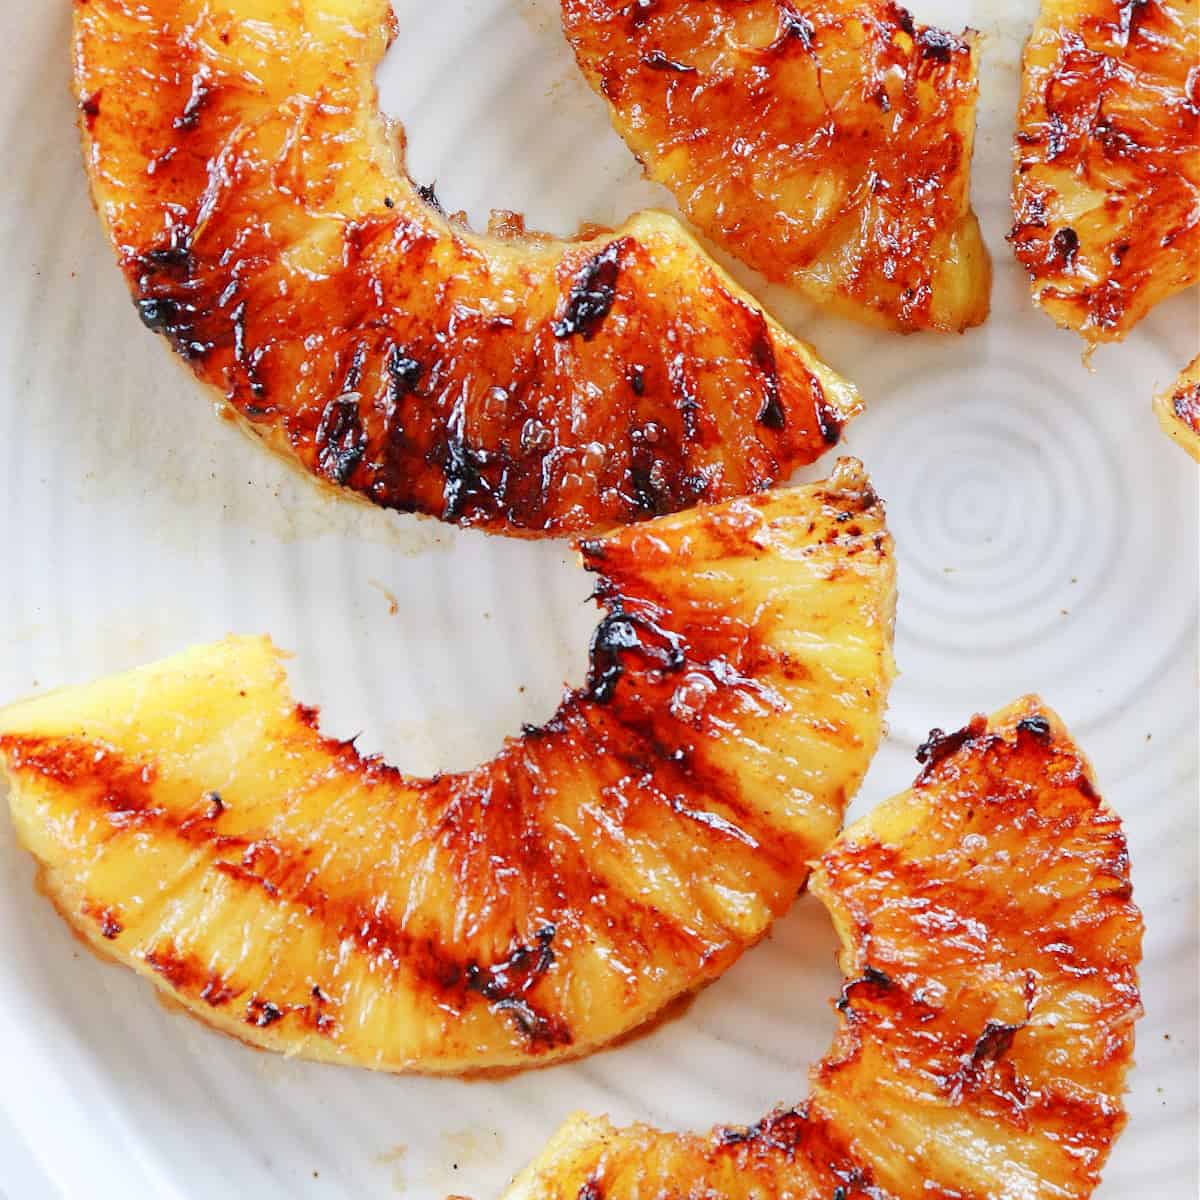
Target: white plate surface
1047,536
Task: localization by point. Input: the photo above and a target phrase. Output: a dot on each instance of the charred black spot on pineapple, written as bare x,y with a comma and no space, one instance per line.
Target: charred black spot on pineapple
771,415
798,26
828,418
871,977
464,467
353,376
107,918
525,965
169,299
341,440
591,1190
640,10
428,193
657,60
994,1042
1038,726
1065,244
592,294
1056,139
1186,405
159,313
940,745
937,45
89,106
201,94
649,475
903,19
404,373
506,985
784,1130
621,634
262,1013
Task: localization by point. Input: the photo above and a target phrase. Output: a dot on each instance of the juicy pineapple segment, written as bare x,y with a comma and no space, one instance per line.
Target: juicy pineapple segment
1106,191
1178,409
826,145
190,820
990,944
266,227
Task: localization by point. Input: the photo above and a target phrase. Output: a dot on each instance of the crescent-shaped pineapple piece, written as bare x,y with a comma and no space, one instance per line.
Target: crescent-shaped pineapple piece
257,204
189,819
990,944
1178,409
1106,189
828,145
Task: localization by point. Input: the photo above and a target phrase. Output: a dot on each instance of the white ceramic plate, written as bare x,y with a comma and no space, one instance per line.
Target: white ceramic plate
1047,535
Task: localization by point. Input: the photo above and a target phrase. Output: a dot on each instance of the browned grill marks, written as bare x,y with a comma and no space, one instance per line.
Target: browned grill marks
480,902
736,128
1107,156
393,353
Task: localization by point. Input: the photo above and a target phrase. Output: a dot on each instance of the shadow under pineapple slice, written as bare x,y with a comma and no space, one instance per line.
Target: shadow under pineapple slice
1106,188
826,145
990,944
260,211
189,819
1178,409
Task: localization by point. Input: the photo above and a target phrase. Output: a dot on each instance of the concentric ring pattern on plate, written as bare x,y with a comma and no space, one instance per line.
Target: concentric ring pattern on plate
1047,536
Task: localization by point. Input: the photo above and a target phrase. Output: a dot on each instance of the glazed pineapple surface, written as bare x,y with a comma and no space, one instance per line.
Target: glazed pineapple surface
990,946
1106,191
260,212
190,820
828,145
1178,409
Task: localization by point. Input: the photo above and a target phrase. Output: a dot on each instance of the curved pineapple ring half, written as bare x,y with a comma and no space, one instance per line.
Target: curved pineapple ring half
826,145
525,385
1106,190
1178,409
190,819
991,945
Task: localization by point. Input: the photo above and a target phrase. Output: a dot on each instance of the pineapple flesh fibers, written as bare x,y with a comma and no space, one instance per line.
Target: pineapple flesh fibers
1178,409
990,945
826,145
1106,190
266,227
190,820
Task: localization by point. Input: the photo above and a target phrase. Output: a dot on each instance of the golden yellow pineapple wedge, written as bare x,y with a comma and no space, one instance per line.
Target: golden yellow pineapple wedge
1178,409
1106,190
260,211
827,145
191,820
990,946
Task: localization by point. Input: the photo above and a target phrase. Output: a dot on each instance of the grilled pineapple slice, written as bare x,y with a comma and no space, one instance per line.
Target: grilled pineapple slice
1106,192
191,820
826,145
991,946
265,226
1178,409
